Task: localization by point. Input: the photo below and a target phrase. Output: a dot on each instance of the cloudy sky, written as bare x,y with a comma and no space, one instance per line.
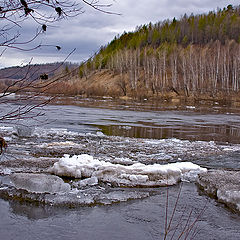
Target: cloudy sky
92,29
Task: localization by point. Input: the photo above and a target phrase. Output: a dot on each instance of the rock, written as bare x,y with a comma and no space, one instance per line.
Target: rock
222,185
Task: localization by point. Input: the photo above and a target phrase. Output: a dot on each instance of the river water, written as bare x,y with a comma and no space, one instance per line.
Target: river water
122,133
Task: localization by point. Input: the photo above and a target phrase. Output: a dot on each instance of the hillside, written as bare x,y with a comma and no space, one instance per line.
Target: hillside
32,72
15,79
190,57
195,57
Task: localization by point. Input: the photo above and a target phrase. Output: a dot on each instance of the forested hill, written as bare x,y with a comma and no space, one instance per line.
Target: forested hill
200,29
192,56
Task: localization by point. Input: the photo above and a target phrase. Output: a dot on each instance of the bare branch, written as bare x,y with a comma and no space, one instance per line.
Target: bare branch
14,15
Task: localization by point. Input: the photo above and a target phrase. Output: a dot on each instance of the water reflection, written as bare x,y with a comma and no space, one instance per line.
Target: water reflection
146,105
218,133
32,211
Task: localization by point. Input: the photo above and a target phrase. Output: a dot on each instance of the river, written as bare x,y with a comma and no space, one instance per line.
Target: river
120,134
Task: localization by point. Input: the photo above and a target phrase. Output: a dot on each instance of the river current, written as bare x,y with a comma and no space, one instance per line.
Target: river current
123,134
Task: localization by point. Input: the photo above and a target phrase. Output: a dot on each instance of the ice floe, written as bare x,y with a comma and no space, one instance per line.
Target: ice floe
54,133
24,131
39,183
52,190
223,185
138,174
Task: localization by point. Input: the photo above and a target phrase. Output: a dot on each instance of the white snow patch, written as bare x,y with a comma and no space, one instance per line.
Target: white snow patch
229,196
92,181
7,139
99,134
234,148
8,95
138,174
5,128
6,171
190,107
125,127
60,144
122,160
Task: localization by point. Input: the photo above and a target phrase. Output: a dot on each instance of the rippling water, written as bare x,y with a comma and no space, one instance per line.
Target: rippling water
117,133
139,219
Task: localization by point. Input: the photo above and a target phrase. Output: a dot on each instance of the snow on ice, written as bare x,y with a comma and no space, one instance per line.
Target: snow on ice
138,174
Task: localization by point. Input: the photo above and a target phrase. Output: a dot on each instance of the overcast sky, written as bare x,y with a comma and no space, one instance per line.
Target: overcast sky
92,29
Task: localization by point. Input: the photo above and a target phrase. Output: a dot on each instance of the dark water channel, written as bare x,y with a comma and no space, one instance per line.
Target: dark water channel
207,136
153,120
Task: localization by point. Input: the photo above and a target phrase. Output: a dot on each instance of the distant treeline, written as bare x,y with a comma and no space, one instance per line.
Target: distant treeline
34,71
195,54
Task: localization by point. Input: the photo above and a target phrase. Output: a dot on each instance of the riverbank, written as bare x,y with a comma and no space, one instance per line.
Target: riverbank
106,83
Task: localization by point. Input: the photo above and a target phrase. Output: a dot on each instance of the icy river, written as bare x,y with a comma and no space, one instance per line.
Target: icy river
98,169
